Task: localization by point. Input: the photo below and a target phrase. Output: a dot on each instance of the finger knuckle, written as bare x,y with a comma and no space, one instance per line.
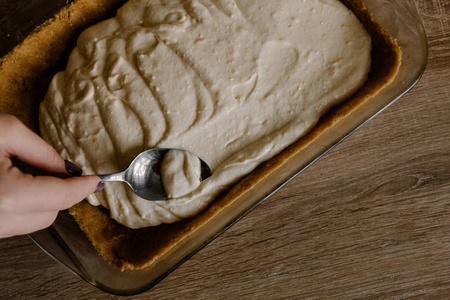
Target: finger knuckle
10,128
8,123
6,119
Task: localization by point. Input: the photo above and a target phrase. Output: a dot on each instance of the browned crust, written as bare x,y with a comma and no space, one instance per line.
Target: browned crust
26,72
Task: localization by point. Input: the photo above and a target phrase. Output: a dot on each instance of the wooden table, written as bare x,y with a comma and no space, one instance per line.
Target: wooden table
369,220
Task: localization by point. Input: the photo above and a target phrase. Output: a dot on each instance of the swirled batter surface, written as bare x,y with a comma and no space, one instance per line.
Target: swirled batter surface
234,82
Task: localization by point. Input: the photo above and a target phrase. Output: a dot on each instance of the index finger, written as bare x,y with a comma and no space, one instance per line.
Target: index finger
18,140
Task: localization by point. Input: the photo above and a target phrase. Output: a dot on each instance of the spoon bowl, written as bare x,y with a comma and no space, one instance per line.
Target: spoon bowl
143,175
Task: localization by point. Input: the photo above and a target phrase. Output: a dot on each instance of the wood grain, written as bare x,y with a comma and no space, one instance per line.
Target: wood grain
369,220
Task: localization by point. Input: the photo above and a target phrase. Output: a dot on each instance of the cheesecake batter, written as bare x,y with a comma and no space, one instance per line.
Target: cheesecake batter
234,82
181,173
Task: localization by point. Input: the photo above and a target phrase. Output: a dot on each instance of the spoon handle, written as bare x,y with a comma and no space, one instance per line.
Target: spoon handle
113,177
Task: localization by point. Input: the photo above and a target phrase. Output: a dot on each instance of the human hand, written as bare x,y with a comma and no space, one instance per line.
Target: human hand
30,203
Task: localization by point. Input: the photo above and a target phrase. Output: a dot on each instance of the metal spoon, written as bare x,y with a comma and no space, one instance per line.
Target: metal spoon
143,175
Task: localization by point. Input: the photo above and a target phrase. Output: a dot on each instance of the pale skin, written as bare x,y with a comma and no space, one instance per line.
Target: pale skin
30,203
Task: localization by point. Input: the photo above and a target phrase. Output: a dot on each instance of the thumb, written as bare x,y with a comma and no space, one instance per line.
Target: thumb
59,194
78,188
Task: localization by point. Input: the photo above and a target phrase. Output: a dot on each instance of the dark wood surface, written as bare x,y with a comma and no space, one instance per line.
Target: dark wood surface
18,18
369,220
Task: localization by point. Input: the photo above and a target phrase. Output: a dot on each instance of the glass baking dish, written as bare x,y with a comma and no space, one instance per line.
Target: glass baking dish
66,243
